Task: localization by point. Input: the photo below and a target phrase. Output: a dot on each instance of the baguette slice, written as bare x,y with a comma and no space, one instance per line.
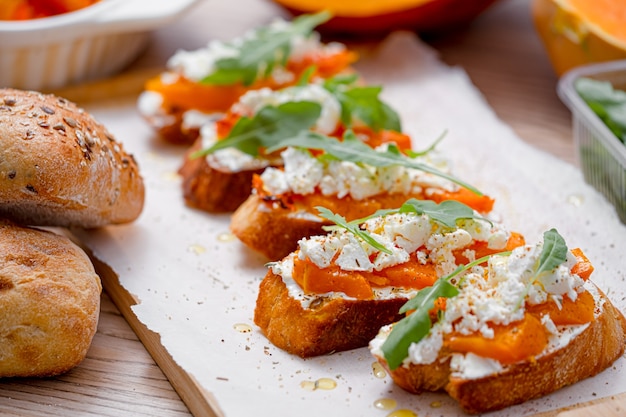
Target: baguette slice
589,353
273,231
60,167
330,324
178,101
336,291
210,189
526,324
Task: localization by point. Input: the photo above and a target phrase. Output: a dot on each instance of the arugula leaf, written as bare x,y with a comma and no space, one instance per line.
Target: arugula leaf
260,53
269,126
353,150
352,227
415,154
608,103
553,253
305,77
417,325
364,104
448,212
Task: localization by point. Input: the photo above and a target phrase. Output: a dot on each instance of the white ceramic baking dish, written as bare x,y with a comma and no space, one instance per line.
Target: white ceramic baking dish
88,44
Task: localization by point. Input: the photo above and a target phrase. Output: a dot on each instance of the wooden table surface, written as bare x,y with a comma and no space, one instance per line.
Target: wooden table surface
505,59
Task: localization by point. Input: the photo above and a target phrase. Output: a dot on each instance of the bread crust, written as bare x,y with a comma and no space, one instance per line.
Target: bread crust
212,190
273,233
330,325
274,230
170,126
60,167
49,302
592,351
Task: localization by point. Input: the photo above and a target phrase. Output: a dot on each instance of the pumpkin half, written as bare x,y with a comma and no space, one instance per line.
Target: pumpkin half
579,32
374,17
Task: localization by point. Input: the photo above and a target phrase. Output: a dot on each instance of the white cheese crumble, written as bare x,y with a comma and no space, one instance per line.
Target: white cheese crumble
470,366
497,295
359,181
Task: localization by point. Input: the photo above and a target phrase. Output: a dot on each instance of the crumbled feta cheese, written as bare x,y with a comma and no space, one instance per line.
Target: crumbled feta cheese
196,65
320,249
442,245
427,350
194,119
354,256
360,181
301,171
470,366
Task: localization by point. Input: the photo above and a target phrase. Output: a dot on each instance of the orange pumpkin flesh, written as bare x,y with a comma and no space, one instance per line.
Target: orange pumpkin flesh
579,32
511,343
570,312
375,17
358,284
526,338
186,94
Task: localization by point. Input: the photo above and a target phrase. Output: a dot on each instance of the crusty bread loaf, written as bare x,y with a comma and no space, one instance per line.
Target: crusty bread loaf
592,351
49,302
60,167
330,324
210,189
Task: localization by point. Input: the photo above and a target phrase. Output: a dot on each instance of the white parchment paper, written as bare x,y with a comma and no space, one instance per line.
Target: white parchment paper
196,283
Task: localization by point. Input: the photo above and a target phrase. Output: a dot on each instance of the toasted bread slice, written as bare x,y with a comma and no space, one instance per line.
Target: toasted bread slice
587,354
527,323
193,88
336,291
210,189
273,232
269,227
329,324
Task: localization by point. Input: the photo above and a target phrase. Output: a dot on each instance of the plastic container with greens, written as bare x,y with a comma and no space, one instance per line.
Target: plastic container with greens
596,95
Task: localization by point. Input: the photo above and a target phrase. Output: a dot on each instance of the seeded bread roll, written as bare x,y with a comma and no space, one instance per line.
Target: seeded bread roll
49,302
60,167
